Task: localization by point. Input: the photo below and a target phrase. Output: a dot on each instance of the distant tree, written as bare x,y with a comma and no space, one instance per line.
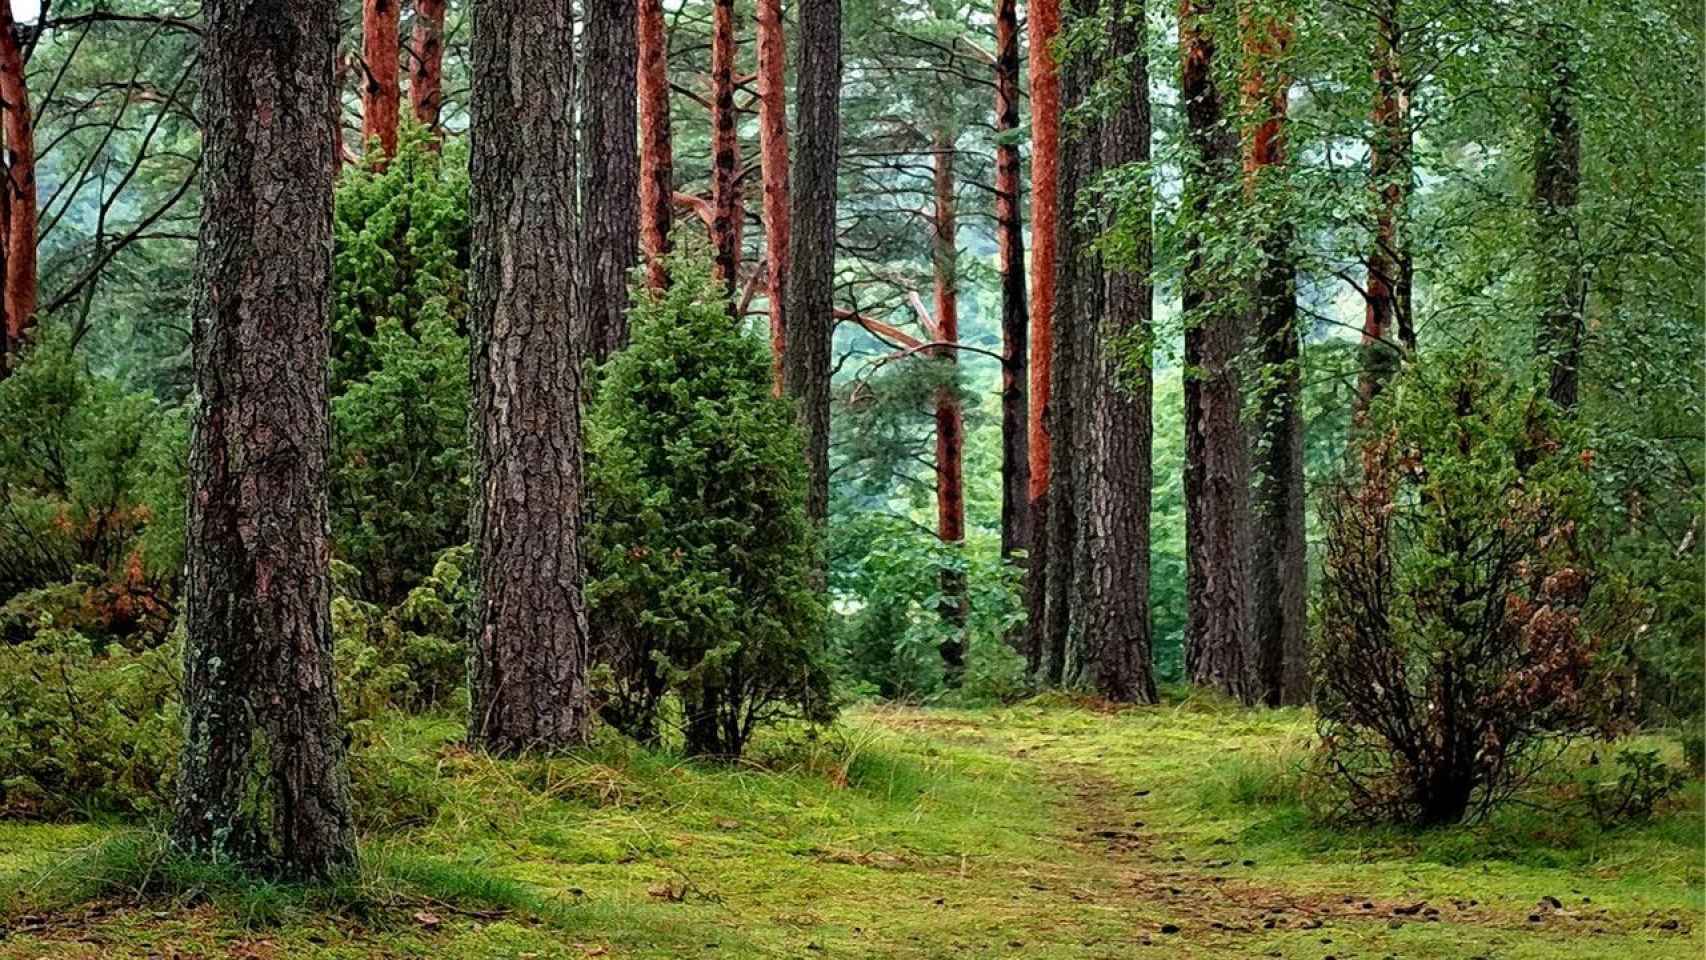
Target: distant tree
381,86
1042,19
18,202
1557,190
727,213
529,632
426,78
1117,635
809,294
610,175
1217,460
773,158
1015,318
1388,327
263,774
657,162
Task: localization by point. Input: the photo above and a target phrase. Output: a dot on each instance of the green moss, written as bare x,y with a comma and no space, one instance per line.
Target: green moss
900,833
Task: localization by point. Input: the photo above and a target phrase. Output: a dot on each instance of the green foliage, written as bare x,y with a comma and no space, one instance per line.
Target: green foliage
1464,617
1644,781
85,730
701,553
890,627
91,491
399,474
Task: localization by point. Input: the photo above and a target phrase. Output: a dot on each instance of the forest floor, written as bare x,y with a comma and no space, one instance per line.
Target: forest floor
1045,830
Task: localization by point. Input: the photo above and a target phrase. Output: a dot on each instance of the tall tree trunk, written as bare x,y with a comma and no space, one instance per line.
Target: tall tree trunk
1387,324
809,294
263,774
426,80
1217,461
528,649
1117,638
773,157
1279,618
725,147
19,292
1557,187
381,97
950,423
657,155
1077,315
610,171
1043,26
1010,240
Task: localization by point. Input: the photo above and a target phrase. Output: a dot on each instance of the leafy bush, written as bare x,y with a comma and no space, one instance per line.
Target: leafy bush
699,544
891,629
86,730
399,474
1644,781
91,491
412,656
1463,618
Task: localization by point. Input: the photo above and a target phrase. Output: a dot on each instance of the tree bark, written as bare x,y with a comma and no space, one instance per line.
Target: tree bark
529,645
657,155
773,157
19,293
1010,240
1557,188
426,80
1217,461
809,293
1117,633
950,423
263,774
1043,26
610,189
381,96
1279,615
1387,324
725,148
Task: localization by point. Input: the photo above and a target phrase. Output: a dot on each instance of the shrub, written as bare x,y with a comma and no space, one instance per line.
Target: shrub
399,473
85,729
410,657
701,553
1643,782
1463,619
91,491
891,626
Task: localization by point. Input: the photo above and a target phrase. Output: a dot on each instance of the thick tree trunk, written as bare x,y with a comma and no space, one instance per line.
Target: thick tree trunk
1043,26
1010,240
1279,616
263,774
725,147
950,422
1387,325
1077,315
773,157
529,645
426,79
657,155
19,293
1557,187
381,96
1217,461
1117,639
809,293
610,171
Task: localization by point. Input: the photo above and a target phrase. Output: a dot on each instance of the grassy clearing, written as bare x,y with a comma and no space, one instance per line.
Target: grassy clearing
1044,830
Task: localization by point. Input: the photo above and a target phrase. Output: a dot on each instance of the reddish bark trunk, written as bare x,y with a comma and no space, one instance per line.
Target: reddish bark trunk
725,147
657,155
1043,26
381,96
1386,320
773,156
20,223
426,81
1010,240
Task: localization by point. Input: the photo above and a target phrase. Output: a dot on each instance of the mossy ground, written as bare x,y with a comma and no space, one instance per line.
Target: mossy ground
1047,830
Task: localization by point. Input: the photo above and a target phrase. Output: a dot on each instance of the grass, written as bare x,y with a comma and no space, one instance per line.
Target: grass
1049,830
